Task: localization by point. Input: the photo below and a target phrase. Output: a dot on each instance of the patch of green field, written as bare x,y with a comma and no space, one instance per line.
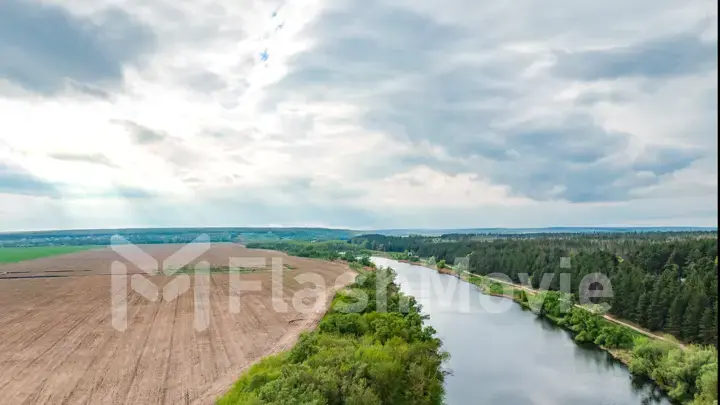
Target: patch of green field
19,254
224,269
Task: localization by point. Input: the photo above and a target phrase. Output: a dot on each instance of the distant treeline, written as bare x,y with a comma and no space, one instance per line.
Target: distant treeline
664,281
168,235
330,250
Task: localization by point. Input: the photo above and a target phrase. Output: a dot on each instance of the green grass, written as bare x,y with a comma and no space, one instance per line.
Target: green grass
227,269
19,254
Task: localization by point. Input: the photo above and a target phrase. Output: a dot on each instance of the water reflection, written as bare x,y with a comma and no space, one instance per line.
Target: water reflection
512,356
649,392
544,323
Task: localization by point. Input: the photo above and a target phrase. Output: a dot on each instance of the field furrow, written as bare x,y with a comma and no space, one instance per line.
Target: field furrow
58,344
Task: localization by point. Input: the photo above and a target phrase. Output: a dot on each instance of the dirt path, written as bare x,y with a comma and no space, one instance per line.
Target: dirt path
607,317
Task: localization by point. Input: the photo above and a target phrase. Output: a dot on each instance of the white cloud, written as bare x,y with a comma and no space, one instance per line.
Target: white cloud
370,114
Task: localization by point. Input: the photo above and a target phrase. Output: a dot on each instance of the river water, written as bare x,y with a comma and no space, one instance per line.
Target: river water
504,354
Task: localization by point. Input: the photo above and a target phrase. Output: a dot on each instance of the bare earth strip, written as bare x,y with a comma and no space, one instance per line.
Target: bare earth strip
607,317
58,346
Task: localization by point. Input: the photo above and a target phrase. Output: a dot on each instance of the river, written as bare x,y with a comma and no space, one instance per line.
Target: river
504,354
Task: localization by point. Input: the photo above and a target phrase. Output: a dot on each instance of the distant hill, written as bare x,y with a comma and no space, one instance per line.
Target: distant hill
520,231
260,234
169,235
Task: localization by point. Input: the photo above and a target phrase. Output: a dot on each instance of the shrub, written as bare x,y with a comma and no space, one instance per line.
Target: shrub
614,337
363,358
520,295
688,375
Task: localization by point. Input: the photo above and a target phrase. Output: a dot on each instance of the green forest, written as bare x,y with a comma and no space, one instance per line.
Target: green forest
663,281
359,355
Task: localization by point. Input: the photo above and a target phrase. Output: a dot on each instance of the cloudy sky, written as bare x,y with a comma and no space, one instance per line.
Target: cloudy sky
359,113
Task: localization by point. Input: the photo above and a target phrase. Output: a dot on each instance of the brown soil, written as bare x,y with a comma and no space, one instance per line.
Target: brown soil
58,345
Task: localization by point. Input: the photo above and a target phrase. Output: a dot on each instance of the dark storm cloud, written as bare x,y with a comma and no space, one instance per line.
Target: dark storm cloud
440,108
44,45
576,140
15,180
664,160
671,56
576,183
574,160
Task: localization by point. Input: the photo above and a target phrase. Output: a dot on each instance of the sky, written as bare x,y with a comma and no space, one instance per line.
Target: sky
358,114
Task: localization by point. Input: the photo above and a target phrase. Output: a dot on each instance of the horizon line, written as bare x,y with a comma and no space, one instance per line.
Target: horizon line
368,229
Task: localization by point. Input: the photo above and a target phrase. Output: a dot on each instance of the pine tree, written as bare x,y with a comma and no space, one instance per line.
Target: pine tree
536,278
620,295
634,290
641,310
663,294
715,325
672,260
692,317
654,312
675,315
710,282
708,333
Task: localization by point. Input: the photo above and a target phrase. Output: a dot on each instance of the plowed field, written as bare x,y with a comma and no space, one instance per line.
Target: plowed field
58,343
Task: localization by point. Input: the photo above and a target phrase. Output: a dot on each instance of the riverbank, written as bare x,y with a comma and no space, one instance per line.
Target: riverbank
365,351
503,353
605,316
687,374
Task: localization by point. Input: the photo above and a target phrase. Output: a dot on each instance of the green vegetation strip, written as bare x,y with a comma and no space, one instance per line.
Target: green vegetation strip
19,254
360,354
329,250
688,375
